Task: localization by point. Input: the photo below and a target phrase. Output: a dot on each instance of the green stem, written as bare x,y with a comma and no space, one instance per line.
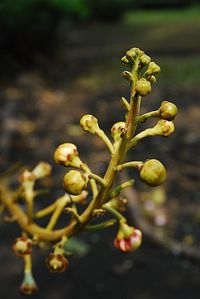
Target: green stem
135,164
99,226
119,188
113,211
142,118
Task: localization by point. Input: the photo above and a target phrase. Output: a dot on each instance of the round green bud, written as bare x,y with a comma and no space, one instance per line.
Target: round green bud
143,87
65,153
74,182
168,110
89,123
153,173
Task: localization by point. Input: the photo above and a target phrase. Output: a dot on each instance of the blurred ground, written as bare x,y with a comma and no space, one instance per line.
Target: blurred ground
41,104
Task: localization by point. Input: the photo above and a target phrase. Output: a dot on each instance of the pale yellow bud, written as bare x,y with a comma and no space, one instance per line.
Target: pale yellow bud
42,170
89,123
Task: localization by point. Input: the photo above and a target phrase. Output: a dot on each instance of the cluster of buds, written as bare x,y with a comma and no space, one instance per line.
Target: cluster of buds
143,85
105,197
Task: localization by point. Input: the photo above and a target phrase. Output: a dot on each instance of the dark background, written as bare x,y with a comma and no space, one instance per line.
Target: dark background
61,59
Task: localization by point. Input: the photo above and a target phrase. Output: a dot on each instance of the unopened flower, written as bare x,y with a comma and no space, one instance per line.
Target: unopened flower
41,170
22,246
117,130
67,154
28,286
74,182
168,110
56,262
128,238
153,69
145,59
163,128
153,172
143,87
89,123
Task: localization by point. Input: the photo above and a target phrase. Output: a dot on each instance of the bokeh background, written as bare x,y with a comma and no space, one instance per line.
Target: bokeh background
60,59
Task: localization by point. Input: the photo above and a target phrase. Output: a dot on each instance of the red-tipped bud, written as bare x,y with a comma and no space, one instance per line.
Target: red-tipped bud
67,154
128,238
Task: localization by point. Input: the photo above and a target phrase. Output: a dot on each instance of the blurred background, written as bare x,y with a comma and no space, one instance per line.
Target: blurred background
60,59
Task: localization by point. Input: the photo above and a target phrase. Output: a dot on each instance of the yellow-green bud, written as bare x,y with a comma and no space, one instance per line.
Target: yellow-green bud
74,182
117,130
67,154
145,59
131,54
152,79
153,69
128,76
89,123
153,173
163,128
143,87
168,110
125,61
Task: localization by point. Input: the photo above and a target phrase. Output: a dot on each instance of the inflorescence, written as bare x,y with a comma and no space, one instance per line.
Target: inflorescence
97,195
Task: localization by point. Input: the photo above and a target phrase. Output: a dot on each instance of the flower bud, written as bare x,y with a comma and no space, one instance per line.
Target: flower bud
128,238
125,61
153,69
153,173
131,54
89,123
22,246
145,59
143,87
152,79
28,286
67,154
56,262
128,76
168,110
42,170
163,128
74,182
117,130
